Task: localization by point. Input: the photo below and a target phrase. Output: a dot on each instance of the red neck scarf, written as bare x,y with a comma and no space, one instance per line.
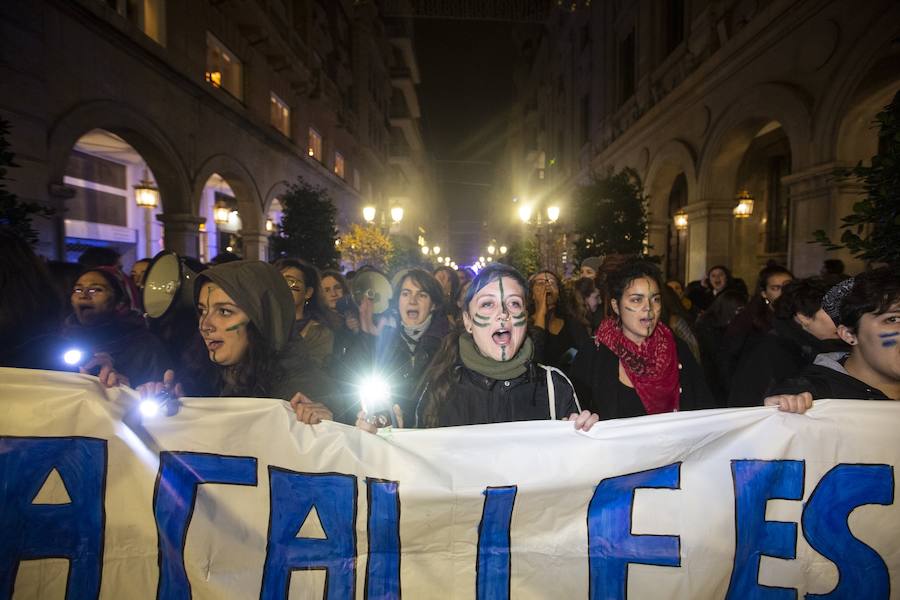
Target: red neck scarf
652,367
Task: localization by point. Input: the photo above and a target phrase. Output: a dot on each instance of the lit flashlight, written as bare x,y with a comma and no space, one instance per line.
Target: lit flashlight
150,407
374,396
72,357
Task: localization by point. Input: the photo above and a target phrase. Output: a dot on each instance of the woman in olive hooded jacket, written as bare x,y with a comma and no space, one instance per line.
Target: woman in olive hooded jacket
246,313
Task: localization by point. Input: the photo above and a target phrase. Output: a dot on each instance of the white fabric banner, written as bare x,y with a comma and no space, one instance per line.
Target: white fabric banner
232,498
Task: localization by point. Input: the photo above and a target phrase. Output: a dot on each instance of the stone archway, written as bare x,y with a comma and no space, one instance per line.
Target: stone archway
673,161
149,140
763,108
246,193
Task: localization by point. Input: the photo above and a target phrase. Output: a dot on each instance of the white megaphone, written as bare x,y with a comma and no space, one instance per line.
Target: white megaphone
169,283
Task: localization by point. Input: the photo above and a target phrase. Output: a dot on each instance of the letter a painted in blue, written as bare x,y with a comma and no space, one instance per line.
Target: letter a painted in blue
291,498
755,483
383,568
612,546
493,563
173,504
861,571
73,530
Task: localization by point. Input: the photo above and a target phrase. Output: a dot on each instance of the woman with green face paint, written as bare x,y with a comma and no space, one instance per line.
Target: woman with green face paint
487,372
245,314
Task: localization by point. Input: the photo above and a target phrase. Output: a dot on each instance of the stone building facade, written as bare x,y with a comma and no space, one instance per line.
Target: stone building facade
706,99
221,103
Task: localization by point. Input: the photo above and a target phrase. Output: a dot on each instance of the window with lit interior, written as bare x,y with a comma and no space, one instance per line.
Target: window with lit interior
315,145
339,164
223,69
279,114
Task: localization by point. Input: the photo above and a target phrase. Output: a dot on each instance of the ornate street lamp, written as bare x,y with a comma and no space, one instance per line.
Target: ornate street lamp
681,220
146,195
369,214
525,213
397,214
436,250
553,213
491,249
744,206
503,249
425,250
221,212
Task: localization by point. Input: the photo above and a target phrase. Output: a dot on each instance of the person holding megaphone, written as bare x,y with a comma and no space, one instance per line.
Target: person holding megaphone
245,316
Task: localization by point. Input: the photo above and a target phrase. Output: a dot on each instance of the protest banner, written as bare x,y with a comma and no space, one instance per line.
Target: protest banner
232,498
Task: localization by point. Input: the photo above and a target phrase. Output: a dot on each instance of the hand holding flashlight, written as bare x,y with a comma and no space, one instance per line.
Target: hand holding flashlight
375,400
160,396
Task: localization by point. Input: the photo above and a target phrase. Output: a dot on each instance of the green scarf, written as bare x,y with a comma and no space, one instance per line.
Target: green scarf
495,369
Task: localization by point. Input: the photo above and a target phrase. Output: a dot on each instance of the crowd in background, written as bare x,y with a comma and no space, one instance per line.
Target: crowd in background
457,347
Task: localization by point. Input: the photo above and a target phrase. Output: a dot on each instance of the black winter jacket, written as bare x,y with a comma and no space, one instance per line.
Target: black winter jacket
474,399
782,354
595,374
826,378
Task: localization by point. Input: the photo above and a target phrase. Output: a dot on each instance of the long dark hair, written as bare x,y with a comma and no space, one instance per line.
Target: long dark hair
450,302
760,313
253,376
443,370
316,308
724,309
577,296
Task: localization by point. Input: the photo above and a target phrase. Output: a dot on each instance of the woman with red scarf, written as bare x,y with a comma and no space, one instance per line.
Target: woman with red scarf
637,366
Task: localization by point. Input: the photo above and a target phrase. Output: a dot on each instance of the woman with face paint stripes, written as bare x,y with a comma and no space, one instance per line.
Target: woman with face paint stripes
245,314
638,367
866,310
487,372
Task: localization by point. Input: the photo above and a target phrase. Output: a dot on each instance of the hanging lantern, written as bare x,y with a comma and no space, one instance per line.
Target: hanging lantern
145,193
681,220
744,206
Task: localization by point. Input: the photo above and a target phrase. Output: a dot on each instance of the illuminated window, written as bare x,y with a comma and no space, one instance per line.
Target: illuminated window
339,164
279,114
223,68
315,145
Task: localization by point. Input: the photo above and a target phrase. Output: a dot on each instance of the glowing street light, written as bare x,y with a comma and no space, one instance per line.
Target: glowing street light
553,213
525,213
744,207
491,249
397,214
503,249
436,250
369,214
425,250
681,220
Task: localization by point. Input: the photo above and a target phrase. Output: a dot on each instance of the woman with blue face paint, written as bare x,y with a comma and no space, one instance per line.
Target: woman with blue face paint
487,373
866,310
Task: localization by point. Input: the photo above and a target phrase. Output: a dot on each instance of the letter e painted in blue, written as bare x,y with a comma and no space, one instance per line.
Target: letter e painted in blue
612,546
291,498
861,571
755,483
383,568
493,562
173,505
73,530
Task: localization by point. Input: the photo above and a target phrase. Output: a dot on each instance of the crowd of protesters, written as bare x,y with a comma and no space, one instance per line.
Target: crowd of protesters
460,348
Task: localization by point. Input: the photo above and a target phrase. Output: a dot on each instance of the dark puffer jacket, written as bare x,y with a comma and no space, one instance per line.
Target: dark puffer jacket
827,378
782,354
474,399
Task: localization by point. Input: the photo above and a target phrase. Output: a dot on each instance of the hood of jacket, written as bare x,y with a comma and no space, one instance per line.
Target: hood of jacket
833,361
259,290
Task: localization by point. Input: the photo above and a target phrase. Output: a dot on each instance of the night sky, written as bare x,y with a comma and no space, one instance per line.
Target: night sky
466,89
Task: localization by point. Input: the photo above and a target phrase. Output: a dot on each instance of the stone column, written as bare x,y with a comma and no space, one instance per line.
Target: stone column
256,245
818,201
709,235
658,238
181,232
59,193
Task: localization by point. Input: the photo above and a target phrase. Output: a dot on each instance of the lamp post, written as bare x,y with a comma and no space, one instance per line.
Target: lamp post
370,215
146,195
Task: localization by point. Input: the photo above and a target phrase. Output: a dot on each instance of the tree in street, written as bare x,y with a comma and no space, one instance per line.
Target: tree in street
610,214
872,230
15,214
366,245
307,228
